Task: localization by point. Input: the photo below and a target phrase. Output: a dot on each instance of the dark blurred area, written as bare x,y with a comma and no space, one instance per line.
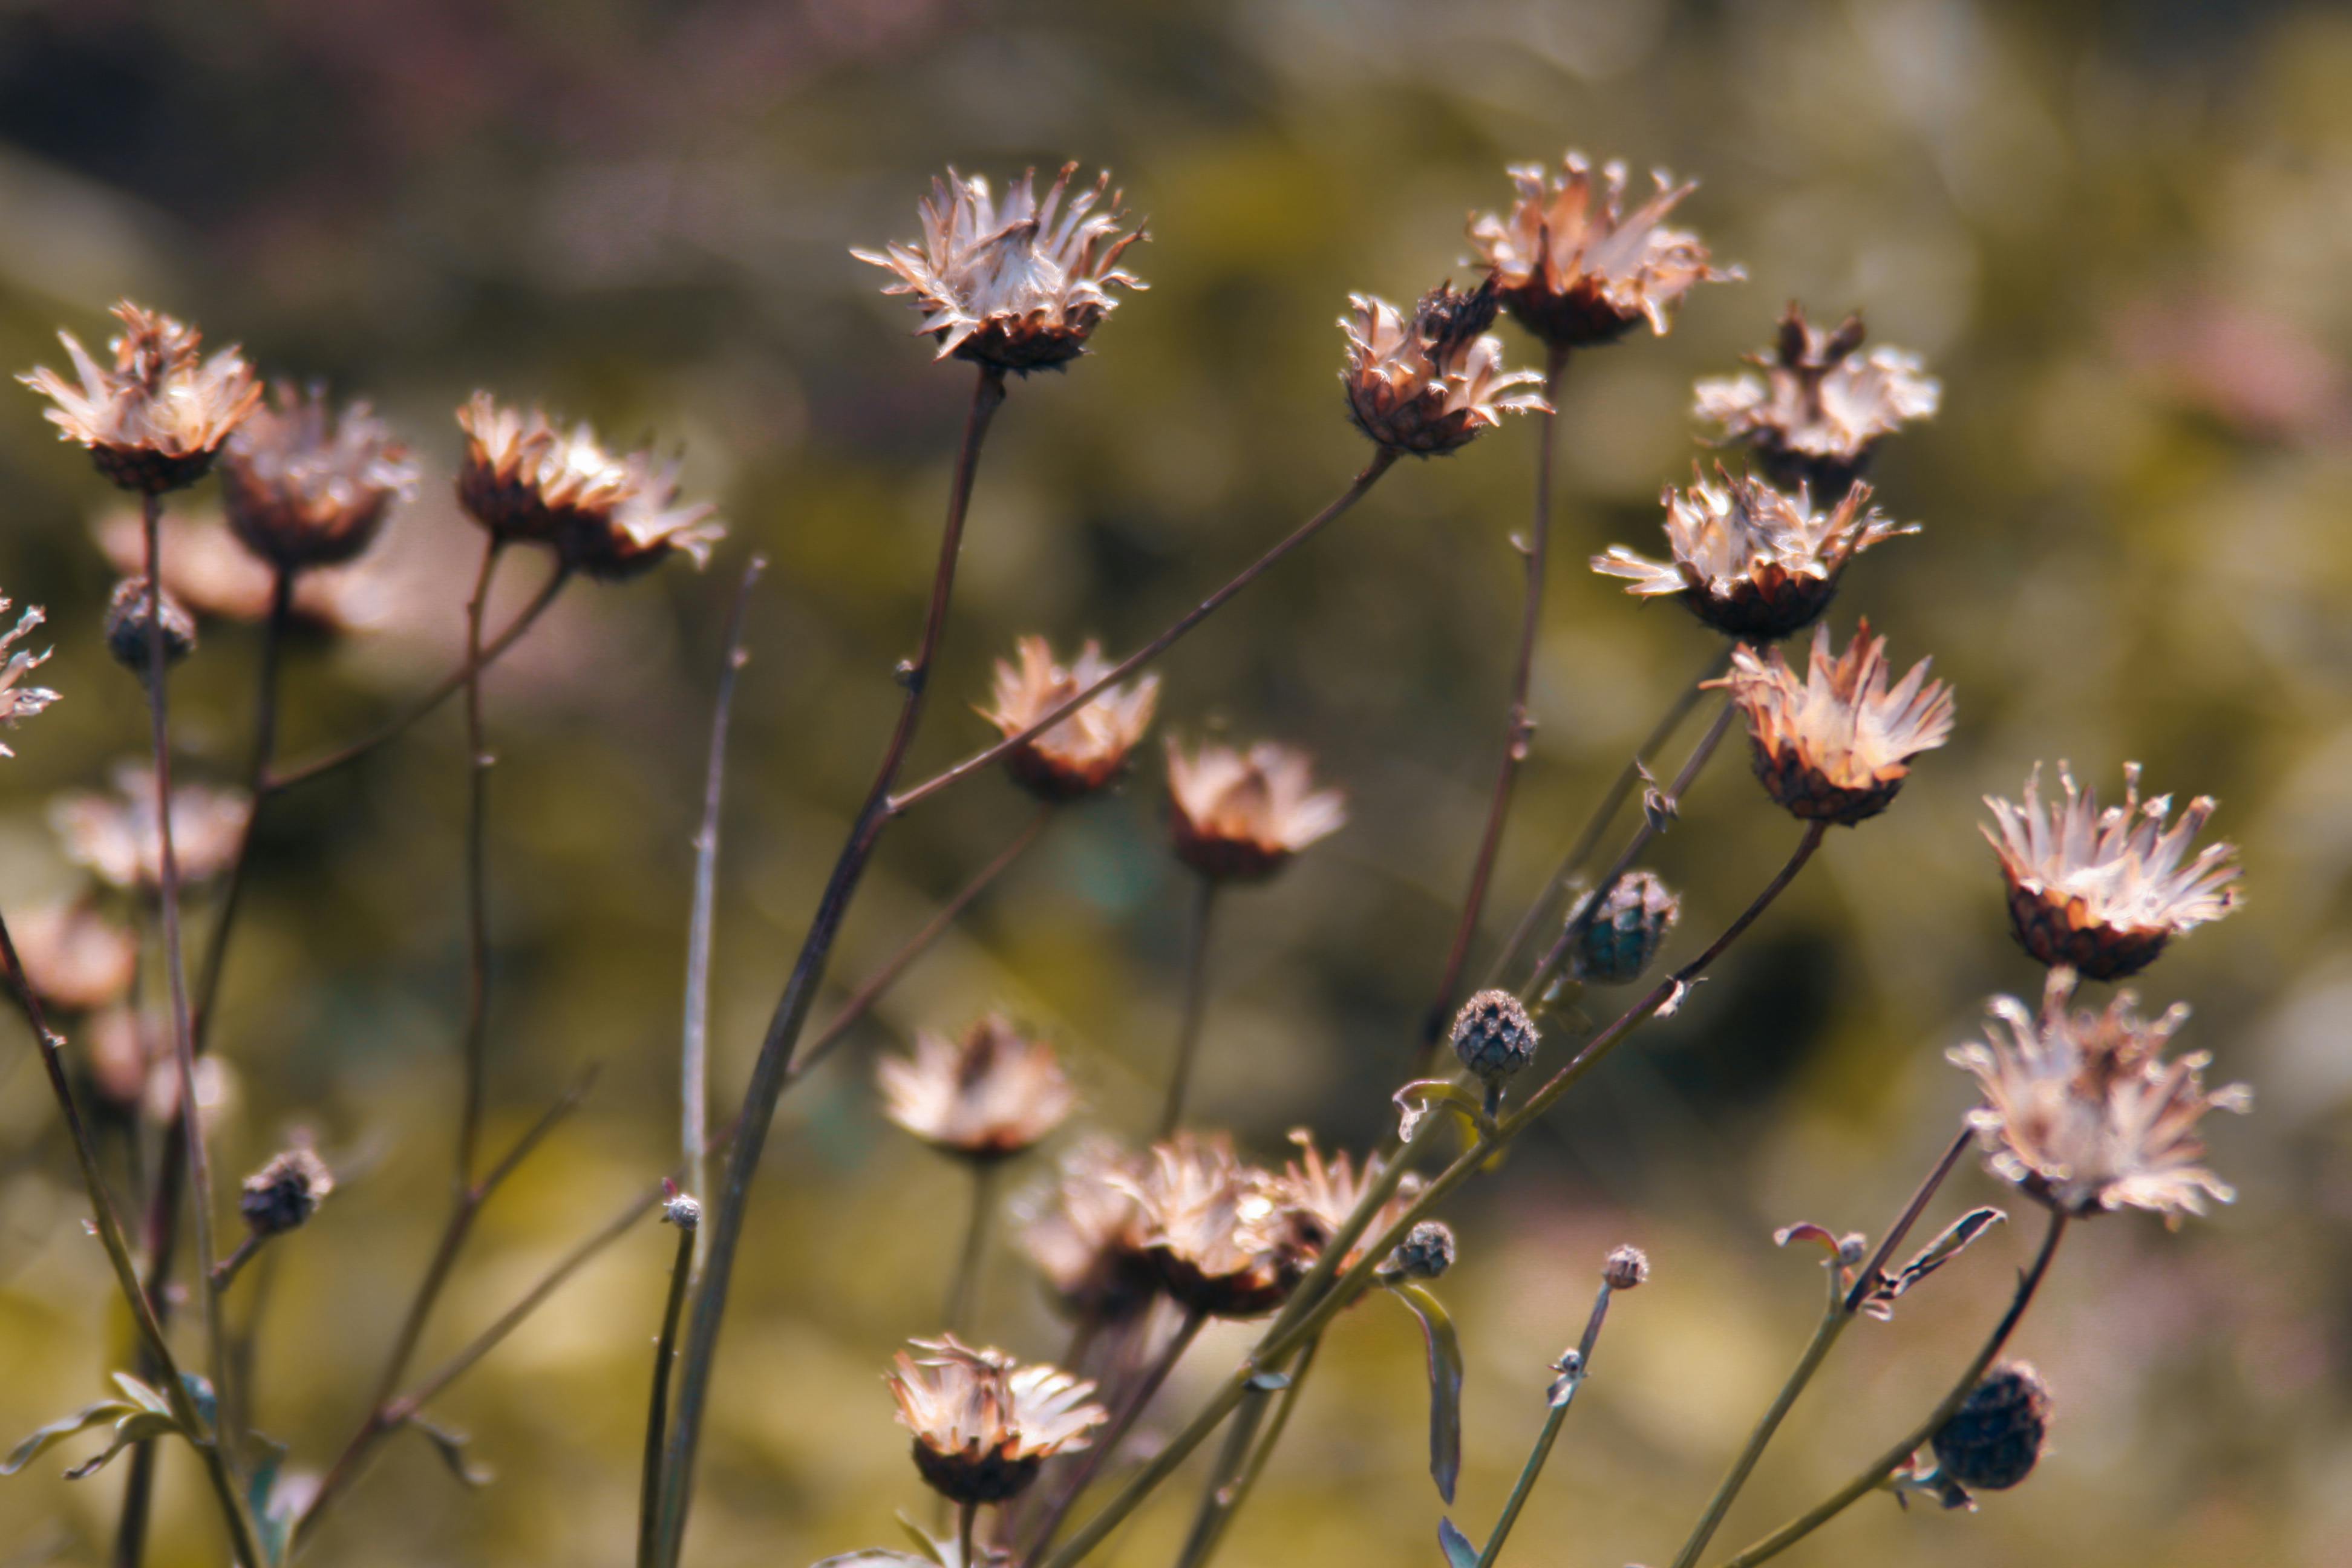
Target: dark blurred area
2120,236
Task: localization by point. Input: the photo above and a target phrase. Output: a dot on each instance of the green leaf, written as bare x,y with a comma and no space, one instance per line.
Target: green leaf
1444,1385
56,1432
936,1553
451,1447
135,1427
1459,1553
1934,1255
200,1393
139,1393
874,1557
273,1516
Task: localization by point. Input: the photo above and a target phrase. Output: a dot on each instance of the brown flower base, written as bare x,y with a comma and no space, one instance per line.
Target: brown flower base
974,1477
2054,930
1810,797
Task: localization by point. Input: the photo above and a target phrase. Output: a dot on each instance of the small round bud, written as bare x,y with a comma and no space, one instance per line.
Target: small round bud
1426,1252
1625,933
1993,1441
285,1193
1625,1268
1494,1037
126,626
684,1210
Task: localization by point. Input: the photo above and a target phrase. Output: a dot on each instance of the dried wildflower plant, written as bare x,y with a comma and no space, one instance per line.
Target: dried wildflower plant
989,1093
983,1422
19,701
610,516
305,485
1821,405
1428,384
2103,891
1224,1235
1836,745
154,419
1089,750
1017,285
1084,1232
1240,816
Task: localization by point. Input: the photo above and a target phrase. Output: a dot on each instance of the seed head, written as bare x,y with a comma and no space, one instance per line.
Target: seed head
1085,1234
1430,385
1425,1253
1494,1037
129,609
284,1193
1089,750
1994,1440
992,1093
1226,1236
1835,746
1821,406
155,420
18,700
683,1210
984,1423
305,486
1240,816
1625,932
1625,1268
610,517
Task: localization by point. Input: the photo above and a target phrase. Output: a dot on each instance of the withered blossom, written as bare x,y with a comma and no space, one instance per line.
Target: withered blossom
991,1094
75,958
2105,890
1430,383
2082,1112
1019,285
609,516
1821,406
1226,1237
1836,746
19,701
1574,269
1084,752
155,420
305,486
114,834
1323,1193
128,626
209,572
1749,561
284,1193
984,1423
1084,1231
1240,816
1994,1440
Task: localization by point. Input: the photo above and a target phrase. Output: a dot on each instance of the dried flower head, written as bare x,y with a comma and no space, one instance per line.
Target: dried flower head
1240,815
1574,270
1836,746
114,834
154,422
75,958
2082,1112
1494,1038
1323,1193
1018,286
610,517
984,1423
210,573
991,1094
1084,752
129,633
304,486
284,1193
1084,1233
683,1210
1429,385
1820,406
1425,1253
2105,890
1749,561
1625,1268
18,700
1625,932
1224,1236
1994,1440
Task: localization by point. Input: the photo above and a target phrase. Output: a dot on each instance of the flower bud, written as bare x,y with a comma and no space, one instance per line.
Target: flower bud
1426,1252
285,1193
1993,1441
1622,937
684,1210
1494,1037
1625,1268
127,614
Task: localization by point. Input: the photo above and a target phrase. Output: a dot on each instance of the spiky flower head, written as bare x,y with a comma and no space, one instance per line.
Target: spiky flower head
74,957
1836,746
1625,932
114,834
306,486
986,1096
1429,385
1749,561
154,419
1084,752
284,1193
2082,1112
984,1423
1322,1194
1821,405
610,516
129,611
1494,1037
1993,1441
19,701
1240,815
1426,1253
1019,285
1573,269
2105,890
1084,1231
1224,1236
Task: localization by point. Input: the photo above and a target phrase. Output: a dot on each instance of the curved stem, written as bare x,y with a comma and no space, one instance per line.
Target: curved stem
963,1295
681,1269
1573,1369
1107,1442
1196,1005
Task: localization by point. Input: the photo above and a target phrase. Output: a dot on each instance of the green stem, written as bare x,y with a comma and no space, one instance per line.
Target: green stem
963,1295
1239,1467
1107,1442
1196,1005
1573,1368
657,1405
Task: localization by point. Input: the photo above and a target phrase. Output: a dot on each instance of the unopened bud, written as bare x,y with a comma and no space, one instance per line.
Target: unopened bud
1426,1252
1994,1440
1625,1268
127,632
1625,933
683,1210
284,1193
1494,1037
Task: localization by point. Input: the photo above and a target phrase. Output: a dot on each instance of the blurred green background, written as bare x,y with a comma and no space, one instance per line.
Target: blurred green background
2120,234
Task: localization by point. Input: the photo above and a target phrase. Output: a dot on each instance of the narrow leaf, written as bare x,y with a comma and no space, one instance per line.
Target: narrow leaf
139,1393
1459,1553
1444,1386
200,1393
135,1427
1955,1240
273,1515
451,1447
56,1432
874,1557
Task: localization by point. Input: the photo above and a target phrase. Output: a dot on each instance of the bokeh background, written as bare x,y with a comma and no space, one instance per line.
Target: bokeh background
2119,233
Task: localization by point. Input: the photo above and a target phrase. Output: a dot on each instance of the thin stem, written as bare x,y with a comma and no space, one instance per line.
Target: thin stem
1381,464
966,1515
964,1294
1196,1003
1894,1459
657,1405
478,912
1573,1368
1518,729
1241,1437
264,744
1230,1498
227,1269
1588,837
1107,1442
694,1072
1920,1197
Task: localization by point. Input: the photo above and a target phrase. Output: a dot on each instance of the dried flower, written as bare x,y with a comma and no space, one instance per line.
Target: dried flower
1494,1038
1625,1268
1430,385
1240,816
1425,1253
114,835
1626,932
983,1423
1090,749
74,957
1323,1193
1020,286
1084,1232
1819,408
305,486
205,569
1993,1441
1835,746
2082,1112
1749,561
991,1094
128,630
1224,1234
154,422
284,1193
18,700
1573,274
610,517
2105,890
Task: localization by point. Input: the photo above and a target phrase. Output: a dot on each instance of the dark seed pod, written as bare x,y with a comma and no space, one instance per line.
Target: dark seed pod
1993,1441
284,1193
126,619
1494,1037
1426,1252
1625,932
